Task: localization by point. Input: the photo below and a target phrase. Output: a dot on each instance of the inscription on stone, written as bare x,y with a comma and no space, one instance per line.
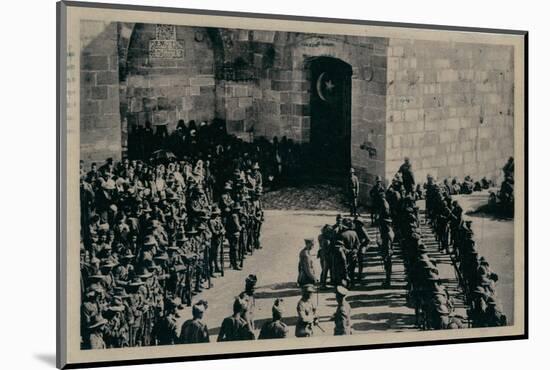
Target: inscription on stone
312,43
165,45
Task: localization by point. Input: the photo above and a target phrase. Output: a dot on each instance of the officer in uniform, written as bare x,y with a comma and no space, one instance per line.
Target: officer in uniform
342,316
236,327
247,296
233,228
276,328
353,189
376,198
195,330
306,270
325,253
339,264
408,176
387,235
307,313
352,245
218,234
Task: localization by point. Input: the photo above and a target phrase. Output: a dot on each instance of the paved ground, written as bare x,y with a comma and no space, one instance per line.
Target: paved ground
374,308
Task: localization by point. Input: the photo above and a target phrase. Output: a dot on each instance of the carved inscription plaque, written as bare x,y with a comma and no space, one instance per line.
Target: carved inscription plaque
165,44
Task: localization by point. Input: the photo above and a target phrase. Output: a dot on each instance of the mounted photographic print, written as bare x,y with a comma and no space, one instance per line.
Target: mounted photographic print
236,184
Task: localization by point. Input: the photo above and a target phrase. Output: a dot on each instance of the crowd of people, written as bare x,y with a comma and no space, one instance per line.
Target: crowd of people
154,226
281,159
153,230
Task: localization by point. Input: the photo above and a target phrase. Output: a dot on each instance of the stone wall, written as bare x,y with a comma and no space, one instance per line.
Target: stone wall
100,129
170,76
236,103
449,108
283,109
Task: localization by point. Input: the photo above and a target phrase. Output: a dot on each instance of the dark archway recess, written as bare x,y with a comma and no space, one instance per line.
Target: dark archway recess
330,130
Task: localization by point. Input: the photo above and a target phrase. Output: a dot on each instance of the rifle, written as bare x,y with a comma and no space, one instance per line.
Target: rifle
320,327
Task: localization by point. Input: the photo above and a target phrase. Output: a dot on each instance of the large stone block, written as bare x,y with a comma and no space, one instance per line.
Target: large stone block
94,63
99,92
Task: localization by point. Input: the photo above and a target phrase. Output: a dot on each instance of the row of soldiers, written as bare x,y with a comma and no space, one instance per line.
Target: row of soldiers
397,217
153,234
172,328
456,237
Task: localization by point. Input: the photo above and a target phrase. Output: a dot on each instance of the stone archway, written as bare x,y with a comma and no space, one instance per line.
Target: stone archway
167,73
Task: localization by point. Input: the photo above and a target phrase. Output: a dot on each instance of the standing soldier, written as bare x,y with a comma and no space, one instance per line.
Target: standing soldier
96,330
218,234
226,201
233,228
306,270
257,175
307,313
364,241
324,254
408,176
247,296
235,327
387,235
339,264
194,330
352,245
342,316
353,188
258,217
243,238
376,199
276,328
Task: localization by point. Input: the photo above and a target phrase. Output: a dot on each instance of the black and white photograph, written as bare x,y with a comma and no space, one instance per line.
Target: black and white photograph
270,187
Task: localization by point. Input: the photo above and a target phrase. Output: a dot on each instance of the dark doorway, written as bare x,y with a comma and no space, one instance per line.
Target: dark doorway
330,133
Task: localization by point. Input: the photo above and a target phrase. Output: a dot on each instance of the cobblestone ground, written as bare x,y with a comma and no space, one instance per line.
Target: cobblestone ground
374,308
307,197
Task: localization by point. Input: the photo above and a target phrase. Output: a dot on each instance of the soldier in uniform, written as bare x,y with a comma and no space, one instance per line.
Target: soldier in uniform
96,330
307,313
235,327
247,297
339,264
353,190
116,329
169,328
352,245
478,307
325,254
257,217
218,234
233,228
387,235
493,314
306,269
342,316
364,241
408,176
376,198
276,328
195,330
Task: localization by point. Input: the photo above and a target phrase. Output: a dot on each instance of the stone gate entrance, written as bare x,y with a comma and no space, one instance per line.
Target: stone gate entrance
330,106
